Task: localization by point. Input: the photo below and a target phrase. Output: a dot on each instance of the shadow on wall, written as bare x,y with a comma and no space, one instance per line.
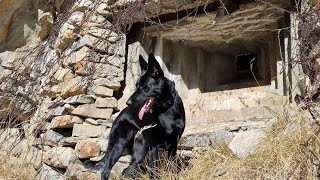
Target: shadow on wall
19,22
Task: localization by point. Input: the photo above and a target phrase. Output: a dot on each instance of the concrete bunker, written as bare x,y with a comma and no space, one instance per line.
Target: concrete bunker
229,55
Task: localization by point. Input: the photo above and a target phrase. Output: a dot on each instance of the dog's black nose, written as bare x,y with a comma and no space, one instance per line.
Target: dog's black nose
129,102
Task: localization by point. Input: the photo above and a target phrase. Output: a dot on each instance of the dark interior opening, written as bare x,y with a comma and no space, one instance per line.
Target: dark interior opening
247,66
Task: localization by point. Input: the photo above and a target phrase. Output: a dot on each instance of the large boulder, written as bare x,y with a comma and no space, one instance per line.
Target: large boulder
60,157
90,111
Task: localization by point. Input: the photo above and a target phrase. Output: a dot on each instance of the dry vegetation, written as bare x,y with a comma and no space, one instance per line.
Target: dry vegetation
291,150
12,168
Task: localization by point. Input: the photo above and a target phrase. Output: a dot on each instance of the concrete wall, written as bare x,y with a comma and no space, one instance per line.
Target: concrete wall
196,70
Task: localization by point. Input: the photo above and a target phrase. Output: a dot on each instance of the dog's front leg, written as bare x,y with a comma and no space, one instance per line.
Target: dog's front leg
153,162
118,140
140,149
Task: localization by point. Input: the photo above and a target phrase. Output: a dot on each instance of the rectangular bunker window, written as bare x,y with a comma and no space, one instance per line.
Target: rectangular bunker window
247,68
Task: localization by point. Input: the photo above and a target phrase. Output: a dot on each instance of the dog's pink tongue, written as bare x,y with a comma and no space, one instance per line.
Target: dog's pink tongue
142,110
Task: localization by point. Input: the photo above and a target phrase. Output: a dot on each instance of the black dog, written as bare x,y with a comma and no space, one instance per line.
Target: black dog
154,104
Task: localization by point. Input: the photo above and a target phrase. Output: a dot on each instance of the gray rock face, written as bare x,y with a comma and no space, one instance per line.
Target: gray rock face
58,111
65,121
75,169
90,111
46,172
80,99
115,85
71,141
101,91
245,143
52,138
106,103
87,130
9,138
60,157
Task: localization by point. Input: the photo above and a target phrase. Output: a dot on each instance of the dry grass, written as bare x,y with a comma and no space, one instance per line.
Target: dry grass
291,150
12,168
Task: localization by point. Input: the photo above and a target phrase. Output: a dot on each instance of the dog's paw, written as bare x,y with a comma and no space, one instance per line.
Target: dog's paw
92,165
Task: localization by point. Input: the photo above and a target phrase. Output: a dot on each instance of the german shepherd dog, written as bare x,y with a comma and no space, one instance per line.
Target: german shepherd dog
155,104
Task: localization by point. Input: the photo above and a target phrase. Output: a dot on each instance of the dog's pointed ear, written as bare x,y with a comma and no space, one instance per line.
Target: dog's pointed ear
153,66
143,64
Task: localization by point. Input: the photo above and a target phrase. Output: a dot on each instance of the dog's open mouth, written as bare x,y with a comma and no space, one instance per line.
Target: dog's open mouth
145,107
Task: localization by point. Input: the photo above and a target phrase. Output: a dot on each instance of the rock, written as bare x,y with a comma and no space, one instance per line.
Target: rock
87,130
18,148
65,121
106,102
10,60
63,74
110,36
46,172
90,111
75,169
125,159
103,142
107,83
82,54
82,5
221,136
42,110
52,138
80,99
98,70
65,36
70,141
90,41
2,70
76,18
69,88
119,48
115,60
106,134
96,18
58,111
118,168
197,140
100,44
105,122
115,115
45,20
101,91
69,107
9,138
34,156
88,176
91,121
101,9
97,158
87,148
60,157
245,143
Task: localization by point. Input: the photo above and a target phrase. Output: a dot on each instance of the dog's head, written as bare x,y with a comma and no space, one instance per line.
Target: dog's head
153,90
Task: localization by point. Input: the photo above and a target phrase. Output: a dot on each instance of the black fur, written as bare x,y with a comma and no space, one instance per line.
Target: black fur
166,112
